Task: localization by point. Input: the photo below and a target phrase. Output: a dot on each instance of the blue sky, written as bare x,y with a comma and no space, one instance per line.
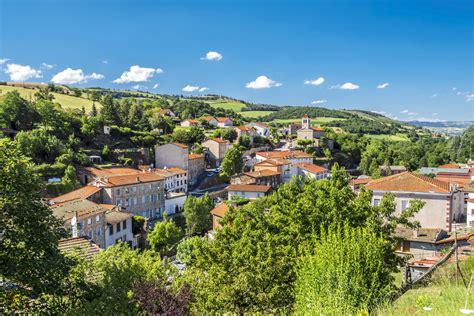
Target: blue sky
422,49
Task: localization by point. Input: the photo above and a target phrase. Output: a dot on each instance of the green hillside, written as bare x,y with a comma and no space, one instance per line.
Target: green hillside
227,104
66,101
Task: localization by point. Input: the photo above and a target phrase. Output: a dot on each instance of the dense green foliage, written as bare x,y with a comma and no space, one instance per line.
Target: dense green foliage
165,235
232,162
296,112
345,274
231,272
197,212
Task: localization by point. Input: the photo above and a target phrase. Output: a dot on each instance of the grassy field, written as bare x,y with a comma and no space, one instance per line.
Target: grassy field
66,101
392,138
255,114
227,105
314,121
441,296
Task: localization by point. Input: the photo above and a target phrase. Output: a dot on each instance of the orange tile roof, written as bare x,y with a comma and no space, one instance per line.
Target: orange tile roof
81,193
245,128
195,156
249,188
286,154
219,140
177,170
179,145
207,118
83,208
454,178
274,162
261,124
223,119
361,181
450,166
220,210
305,116
114,171
262,173
317,129
311,167
133,179
408,182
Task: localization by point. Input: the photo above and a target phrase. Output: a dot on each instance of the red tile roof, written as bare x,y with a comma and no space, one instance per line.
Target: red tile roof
220,210
450,166
262,173
408,182
81,193
207,118
195,156
177,170
285,154
133,179
219,140
179,145
245,128
274,162
454,178
223,119
249,188
317,129
311,167
104,172
305,116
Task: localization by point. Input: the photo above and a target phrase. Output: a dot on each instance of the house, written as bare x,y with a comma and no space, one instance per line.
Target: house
443,202
421,242
210,120
246,191
293,128
88,192
294,156
260,177
171,155
141,194
176,179
470,212
389,170
189,123
82,218
307,132
174,203
82,246
119,226
88,174
218,213
167,112
224,121
279,165
359,182
435,171
312,171
249,131
216,149
454,178
196,168
263,130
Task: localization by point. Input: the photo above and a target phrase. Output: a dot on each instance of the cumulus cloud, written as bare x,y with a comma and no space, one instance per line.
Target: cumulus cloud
190,88
156,85
383,85
469,97
262,82
22,72
315,82
318,102
3,60
404,111
72,76
203,89
46,66
212,56
137,74
346,86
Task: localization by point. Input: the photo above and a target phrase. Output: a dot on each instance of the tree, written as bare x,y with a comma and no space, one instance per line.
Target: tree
304,142
186,250
70,181
156,298
345,273
29,254
109,110
244,141
106,152
94,110
197,212
229,134
233,162
17,113
164,235
276,231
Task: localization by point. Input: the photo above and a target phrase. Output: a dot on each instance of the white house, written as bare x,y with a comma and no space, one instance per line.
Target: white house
312,171
119,227
176,179
444,202
174,203
470,212
248,191
263,130
224,121
210,120
189,123
294,156
172,155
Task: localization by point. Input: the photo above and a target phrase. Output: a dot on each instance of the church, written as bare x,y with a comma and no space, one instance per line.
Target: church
312,133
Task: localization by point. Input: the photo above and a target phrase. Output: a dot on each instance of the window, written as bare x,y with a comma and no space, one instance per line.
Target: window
127,191
135,200
98,232
158,197
89,233
134,189
111,230
143,188
97,218
124,224
376,202
119,202
89,221
118,227
127,202
143,199
117,191
152,198
405,204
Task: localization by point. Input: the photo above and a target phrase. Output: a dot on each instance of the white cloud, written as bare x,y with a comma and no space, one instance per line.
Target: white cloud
346,86
3,60
21,72
318,102
315,82
469,97
139,87
137,74
190,88
105,61
454,88
72,76
383,85
433,95
404,111
203,89
212,56
262,82
156,85
47,66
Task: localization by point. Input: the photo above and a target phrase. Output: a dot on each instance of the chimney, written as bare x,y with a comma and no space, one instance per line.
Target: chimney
74,227
138,179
